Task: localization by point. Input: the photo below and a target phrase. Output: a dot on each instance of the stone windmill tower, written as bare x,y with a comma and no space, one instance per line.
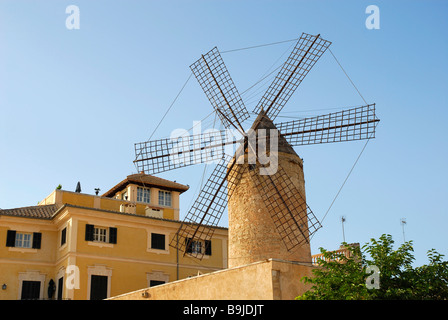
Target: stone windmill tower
263,182
253,234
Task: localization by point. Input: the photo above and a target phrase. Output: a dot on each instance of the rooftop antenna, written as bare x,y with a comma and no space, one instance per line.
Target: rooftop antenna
342,222
403,223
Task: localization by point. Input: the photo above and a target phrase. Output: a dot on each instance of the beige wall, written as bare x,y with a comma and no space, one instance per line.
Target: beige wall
264,280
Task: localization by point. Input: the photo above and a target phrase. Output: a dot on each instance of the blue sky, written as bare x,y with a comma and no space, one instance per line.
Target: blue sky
74,102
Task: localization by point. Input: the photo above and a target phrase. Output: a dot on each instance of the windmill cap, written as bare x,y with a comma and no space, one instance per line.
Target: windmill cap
263,122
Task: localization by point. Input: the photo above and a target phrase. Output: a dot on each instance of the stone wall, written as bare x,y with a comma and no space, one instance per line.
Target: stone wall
252,233
264,280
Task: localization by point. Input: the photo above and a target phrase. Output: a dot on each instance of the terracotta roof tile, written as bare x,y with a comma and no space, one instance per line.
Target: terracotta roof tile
39,212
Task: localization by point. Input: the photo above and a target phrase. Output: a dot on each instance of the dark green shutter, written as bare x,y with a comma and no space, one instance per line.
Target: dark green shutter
188,245
113,235
11,238
89,232
208,247
37,237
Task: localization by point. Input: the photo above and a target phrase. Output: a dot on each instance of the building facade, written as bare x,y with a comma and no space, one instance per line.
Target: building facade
81,246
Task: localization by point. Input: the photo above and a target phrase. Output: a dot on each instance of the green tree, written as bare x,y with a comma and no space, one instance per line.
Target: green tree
339,277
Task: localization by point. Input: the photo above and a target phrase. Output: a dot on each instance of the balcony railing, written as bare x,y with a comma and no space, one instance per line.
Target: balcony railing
342,250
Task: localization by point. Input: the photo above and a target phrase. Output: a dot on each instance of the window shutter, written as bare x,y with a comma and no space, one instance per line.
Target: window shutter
188,245
113,235
208,247
89,232
37,237
11,238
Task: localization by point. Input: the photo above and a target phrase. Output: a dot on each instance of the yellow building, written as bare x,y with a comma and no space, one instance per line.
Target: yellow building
80,246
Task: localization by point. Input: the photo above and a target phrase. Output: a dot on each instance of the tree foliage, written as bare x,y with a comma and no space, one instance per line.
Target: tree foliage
339,277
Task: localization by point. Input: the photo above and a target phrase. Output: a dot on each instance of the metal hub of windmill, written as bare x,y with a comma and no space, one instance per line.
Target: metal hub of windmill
293,219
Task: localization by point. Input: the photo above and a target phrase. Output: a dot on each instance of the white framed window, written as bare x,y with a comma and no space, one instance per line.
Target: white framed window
198,246
165,198
156,278
99,282
23,240
31,285
100,234
143,195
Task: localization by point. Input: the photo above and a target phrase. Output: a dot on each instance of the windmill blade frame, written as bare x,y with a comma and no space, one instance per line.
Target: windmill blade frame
306,53
347,125
218,86
166,154
292,217
207,210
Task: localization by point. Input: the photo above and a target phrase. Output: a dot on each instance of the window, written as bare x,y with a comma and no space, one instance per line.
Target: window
60,288
153,283
208,247
198,246
30,290
98,287
101,234
143,195
23,239
165,198
63,236
157,241
156,278
98,282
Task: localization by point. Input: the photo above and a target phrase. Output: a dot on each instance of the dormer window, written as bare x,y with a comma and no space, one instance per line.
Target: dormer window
124,195
143,195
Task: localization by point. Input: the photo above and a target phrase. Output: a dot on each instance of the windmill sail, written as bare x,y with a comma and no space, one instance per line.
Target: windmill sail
292,217
161,155
303,57
201,220
215,80
347,125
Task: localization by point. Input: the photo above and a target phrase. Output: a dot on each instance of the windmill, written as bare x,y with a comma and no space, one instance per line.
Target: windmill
280,217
